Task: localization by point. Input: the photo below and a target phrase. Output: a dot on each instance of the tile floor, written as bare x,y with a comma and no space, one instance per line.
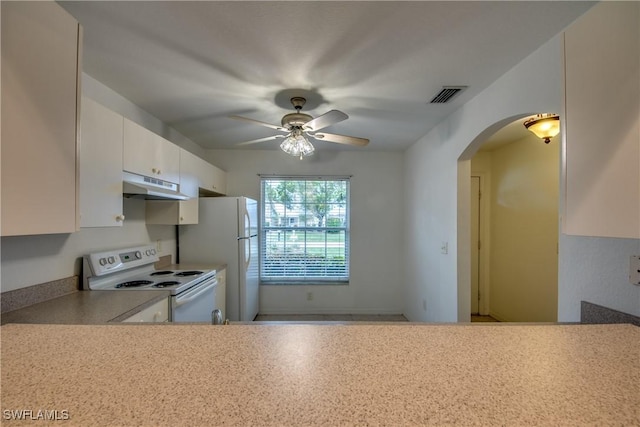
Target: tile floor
347,318
478,318
330,318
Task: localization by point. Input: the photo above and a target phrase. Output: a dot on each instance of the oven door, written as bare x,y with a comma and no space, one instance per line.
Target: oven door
196,304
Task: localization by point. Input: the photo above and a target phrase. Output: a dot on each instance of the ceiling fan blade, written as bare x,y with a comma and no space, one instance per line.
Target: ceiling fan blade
327,119
258,122
268,138
341,139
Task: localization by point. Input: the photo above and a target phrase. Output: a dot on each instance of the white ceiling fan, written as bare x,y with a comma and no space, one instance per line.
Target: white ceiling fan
297,126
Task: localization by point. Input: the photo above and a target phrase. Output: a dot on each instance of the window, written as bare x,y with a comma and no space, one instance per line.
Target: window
305,230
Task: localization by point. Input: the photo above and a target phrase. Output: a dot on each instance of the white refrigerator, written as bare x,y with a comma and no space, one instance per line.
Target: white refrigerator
227,232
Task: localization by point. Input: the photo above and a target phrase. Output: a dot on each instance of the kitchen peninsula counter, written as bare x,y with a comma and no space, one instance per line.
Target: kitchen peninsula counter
312,375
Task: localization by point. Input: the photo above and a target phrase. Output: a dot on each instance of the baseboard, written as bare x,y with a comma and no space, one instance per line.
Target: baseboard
282,312
497,316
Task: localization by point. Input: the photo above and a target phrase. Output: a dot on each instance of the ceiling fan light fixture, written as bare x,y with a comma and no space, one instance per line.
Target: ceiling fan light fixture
544,126
297,145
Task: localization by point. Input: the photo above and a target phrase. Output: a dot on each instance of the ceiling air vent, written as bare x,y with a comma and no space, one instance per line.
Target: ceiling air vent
446,94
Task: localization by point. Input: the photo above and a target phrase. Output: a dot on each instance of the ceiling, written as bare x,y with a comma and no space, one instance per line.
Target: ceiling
193,64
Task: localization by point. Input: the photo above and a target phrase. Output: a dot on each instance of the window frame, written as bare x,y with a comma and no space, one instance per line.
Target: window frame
306,228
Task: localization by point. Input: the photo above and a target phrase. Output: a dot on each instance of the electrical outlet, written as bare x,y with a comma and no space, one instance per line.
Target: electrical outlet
424,305
634,270
309,296
444,248
159,246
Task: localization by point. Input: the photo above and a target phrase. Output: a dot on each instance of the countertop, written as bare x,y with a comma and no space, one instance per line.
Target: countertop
86,307
323,375
96,307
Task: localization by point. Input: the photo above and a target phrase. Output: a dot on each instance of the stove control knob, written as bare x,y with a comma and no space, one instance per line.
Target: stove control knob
153,251
111,260
148,252
103,261
138,255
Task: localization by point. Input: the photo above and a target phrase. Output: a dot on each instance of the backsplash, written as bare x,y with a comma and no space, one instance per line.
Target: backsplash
593,313
19,298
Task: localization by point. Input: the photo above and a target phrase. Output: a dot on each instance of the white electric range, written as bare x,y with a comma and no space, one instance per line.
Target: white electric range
193,292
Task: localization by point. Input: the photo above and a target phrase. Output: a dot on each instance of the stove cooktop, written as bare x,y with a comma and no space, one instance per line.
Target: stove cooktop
133,269
175,281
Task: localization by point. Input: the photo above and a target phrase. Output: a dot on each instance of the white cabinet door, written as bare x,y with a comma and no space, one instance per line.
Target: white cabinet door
158,312
148,154
211,178
170,212
218,182
100,166
602,68
196,173
167,212
189,180
40,95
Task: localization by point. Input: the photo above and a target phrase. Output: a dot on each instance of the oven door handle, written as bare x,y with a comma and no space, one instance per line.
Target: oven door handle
194,292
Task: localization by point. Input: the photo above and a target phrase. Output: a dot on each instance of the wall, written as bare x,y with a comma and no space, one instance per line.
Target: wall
436,180
438,183
376,226
31,260
523,223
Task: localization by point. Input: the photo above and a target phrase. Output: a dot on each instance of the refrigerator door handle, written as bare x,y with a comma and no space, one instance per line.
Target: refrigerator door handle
248,260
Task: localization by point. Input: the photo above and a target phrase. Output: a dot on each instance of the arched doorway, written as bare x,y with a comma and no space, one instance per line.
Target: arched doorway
511,260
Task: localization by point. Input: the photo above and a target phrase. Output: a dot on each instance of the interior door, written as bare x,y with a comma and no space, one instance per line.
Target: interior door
475,244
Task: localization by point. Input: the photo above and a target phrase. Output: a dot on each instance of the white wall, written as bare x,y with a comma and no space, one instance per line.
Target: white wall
523,223
376,226
436,183
31,260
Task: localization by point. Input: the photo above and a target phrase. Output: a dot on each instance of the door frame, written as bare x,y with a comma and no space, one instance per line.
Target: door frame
484,233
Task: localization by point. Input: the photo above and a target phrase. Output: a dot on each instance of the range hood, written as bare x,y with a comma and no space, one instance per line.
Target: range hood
149,188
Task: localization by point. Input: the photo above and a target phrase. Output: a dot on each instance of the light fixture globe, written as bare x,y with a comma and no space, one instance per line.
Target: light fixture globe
544,126
297,145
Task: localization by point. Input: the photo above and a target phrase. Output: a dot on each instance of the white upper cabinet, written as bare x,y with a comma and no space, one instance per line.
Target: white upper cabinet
216,181
148,154
189,180
178,212
41,45
197,174
602,86
100,166
168,212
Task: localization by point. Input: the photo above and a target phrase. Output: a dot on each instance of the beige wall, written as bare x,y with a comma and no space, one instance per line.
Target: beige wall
523,224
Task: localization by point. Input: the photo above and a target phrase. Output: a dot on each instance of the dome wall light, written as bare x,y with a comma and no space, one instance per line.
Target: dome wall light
544,126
